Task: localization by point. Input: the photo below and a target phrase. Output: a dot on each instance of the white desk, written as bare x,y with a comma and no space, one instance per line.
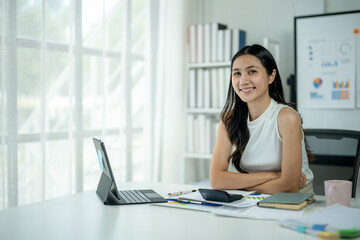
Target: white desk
83,216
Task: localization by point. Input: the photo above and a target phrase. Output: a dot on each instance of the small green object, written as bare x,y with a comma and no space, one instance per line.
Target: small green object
349,233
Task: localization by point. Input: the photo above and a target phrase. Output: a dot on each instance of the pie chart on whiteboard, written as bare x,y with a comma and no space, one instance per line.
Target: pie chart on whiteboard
317,82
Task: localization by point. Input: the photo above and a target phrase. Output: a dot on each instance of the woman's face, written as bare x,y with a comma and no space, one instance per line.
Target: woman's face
250,79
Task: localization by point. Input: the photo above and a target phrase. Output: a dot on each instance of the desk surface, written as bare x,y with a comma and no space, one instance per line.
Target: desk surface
83,216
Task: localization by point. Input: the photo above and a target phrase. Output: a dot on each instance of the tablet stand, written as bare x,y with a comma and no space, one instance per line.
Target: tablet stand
105,190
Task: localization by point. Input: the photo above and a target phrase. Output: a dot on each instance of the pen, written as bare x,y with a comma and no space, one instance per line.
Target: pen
180,193
193,202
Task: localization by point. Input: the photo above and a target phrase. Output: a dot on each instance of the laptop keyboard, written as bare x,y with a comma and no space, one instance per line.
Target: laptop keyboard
134,196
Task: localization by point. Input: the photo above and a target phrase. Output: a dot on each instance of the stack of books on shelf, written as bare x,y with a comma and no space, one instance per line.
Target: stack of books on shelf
211,47
214,42
208,87
202,131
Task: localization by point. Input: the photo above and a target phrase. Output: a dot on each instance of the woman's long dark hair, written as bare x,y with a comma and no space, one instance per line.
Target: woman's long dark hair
235,112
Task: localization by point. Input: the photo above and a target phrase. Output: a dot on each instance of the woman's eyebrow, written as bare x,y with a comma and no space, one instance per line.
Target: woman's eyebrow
238,69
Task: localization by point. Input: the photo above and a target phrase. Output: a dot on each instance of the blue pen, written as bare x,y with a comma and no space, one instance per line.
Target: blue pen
191,202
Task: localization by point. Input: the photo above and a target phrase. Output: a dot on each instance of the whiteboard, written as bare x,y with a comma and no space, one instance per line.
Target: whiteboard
327,63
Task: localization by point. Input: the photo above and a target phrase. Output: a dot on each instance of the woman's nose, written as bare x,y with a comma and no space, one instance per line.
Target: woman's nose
243,81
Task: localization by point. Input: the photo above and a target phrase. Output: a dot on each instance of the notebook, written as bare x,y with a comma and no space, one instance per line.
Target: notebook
107,189
292,201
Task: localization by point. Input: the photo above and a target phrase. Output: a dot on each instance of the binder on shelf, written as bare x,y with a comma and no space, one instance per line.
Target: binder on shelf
195,134
200,87
202,133
214,39
192,88
200,43
206,88
239,40
207,42
214,88
227,45
207,136
221,74
221,46
192,39
190,131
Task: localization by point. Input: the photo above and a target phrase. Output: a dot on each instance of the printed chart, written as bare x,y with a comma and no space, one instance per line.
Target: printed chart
330,70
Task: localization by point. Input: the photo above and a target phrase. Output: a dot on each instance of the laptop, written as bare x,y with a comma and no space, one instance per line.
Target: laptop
107,189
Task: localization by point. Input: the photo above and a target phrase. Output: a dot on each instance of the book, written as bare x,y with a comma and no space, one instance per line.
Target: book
202,133
192,44
200,43
221,46
190,130
238,40
207,92
227,45
291,201
207,42
207,136
221,86
200,88
192,88
214,39
214,88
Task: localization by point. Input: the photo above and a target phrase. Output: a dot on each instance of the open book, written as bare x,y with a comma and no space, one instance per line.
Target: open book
292,201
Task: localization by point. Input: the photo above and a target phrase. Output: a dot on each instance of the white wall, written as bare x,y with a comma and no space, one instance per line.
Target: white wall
264,18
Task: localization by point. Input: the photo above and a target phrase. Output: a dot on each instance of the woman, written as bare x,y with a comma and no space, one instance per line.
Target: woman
269,149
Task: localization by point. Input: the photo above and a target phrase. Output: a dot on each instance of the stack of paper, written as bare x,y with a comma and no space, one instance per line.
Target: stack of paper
256,212
244,208
335,220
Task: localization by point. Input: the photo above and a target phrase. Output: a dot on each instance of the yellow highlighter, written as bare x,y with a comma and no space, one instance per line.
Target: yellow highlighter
328,235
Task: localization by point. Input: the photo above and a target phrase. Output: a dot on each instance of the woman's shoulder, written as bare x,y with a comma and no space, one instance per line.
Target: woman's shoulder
288,120
288,114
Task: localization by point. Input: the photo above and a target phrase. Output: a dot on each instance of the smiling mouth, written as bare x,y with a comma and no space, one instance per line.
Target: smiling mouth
246,90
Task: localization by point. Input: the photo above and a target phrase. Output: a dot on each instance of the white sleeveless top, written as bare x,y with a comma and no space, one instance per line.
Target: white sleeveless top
264,149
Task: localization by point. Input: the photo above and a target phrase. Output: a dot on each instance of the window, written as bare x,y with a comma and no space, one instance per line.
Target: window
70,70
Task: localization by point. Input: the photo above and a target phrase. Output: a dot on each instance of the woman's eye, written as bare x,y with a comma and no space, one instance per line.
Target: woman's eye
252,71
236,73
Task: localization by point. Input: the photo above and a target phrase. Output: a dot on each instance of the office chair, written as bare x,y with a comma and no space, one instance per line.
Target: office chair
338,134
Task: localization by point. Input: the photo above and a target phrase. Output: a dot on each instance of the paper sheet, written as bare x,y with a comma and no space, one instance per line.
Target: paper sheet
189,206
335,218
256,212
248,200
244,208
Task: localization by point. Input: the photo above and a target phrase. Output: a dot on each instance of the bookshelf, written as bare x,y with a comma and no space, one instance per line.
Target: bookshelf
202,120
210,49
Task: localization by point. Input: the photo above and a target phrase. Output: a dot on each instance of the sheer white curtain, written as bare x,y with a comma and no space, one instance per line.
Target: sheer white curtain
71,70
174,17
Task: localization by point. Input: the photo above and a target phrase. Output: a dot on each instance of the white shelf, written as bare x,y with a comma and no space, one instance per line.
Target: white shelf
198,155
202,122
210,65
204,110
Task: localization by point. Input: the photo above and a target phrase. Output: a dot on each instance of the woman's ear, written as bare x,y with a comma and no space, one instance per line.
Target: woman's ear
272,76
